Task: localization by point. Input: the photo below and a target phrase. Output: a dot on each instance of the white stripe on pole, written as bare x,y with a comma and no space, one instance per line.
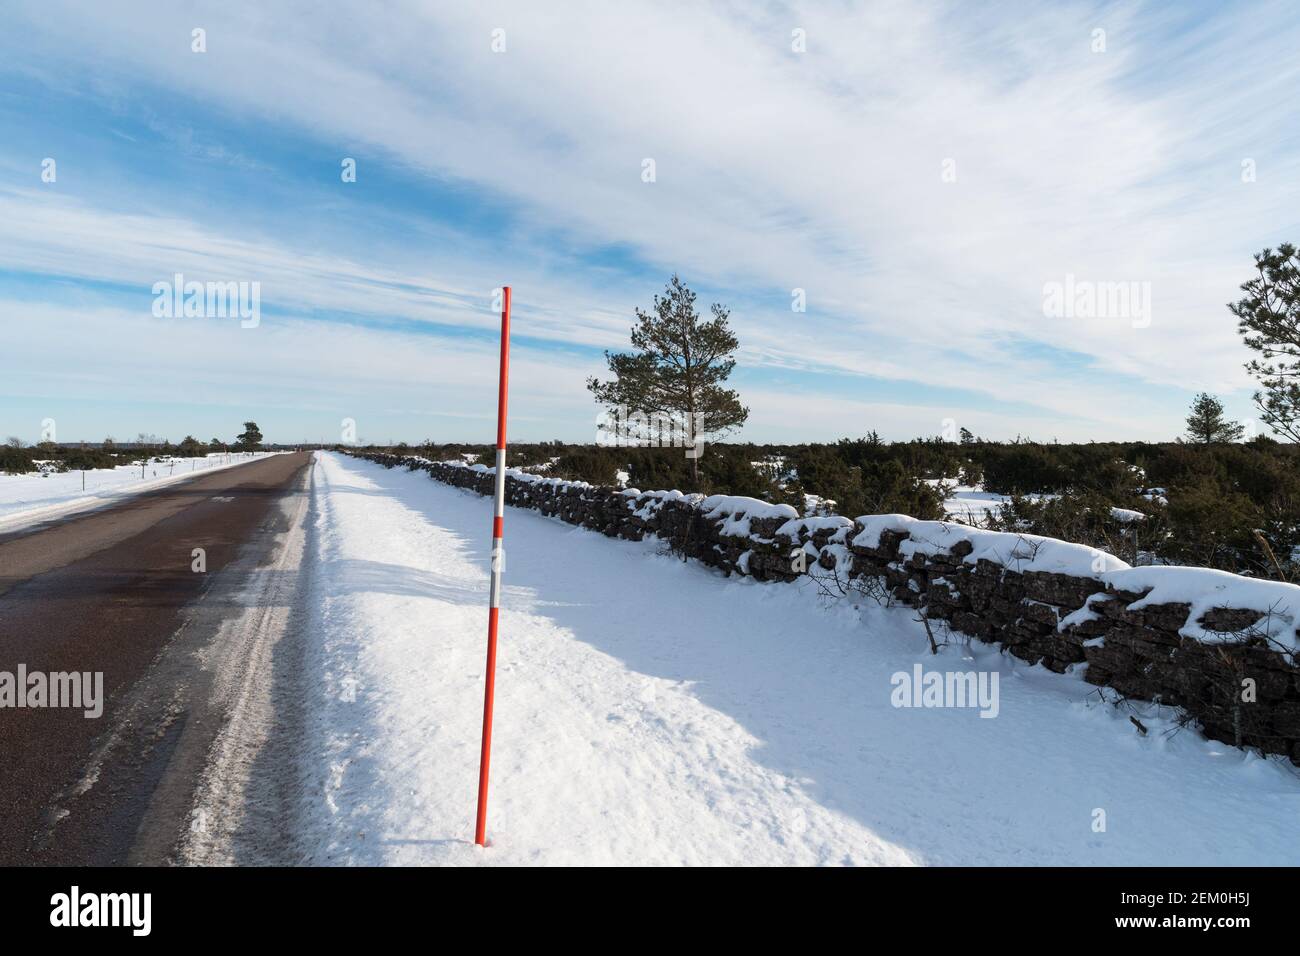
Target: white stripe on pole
501,484
498,547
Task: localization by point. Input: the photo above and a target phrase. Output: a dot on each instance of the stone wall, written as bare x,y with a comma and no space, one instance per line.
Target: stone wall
1218,646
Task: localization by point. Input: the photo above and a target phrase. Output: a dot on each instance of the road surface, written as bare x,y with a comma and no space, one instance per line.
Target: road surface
117,591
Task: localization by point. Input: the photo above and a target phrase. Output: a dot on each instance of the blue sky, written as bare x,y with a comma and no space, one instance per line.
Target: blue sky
820,170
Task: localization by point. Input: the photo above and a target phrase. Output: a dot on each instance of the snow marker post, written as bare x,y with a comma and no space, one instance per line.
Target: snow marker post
494,590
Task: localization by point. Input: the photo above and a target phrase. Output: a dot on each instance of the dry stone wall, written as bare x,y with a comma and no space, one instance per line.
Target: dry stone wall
1220,647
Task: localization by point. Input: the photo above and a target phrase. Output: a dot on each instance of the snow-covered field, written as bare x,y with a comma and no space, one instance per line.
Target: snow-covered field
974,506
43,495
969,504
653,712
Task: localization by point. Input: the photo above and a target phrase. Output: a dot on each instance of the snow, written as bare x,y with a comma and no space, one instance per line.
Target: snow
650,711
738,511
1084,615
1202,588
969,503
1019,552
521,475
653,501
814,505
1206,588
834,523
673,495
31,497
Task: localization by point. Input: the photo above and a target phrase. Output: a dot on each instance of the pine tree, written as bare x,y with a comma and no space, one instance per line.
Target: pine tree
251,437
1269,323
677,370
1206,424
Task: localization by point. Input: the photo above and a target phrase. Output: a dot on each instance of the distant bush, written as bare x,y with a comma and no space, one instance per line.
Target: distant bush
659,469
1024,469
86,459
16,460
861,479
1086,518
731,471
599,466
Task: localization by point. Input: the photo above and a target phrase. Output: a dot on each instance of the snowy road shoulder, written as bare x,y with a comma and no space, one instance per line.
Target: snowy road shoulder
652,712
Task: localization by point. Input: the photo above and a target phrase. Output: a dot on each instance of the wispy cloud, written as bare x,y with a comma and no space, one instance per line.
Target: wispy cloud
775,170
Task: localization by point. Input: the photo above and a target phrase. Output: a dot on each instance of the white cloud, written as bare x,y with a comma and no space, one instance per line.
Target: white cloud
776,169
309,373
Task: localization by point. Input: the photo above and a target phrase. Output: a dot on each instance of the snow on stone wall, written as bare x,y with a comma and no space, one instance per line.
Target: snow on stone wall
1219,646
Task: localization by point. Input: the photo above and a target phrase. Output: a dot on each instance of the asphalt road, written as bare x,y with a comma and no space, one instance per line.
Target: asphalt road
115,592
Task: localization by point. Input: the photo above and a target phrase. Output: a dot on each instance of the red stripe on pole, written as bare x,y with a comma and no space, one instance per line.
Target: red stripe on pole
485,755
489,686
498,526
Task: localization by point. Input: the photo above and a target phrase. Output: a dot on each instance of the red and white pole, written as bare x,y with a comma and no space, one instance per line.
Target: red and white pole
494,589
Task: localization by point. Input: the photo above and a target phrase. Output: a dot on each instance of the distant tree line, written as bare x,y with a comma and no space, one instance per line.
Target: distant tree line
1228,505
17,457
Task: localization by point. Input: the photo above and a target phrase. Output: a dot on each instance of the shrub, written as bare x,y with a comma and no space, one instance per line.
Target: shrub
1084,518
595,465
1024,469
16,460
